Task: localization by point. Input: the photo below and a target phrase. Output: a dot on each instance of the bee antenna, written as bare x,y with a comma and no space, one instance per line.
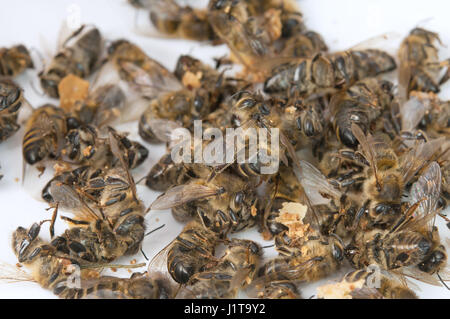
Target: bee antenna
40,93
143,254
268,246
152,231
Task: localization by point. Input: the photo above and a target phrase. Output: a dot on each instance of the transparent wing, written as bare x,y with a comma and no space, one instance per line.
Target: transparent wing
151,84
426,191
67,198
366,293
418,156
114,144
11,273
182,194
316,186
411,113
163,129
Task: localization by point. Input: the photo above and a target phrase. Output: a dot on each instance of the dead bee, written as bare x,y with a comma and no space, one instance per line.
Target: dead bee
234,270
304,45
317,257
44,134
321,74
182,106
359,284
54,270
203,89
411,246
283,188
361,104
383,181
189,253
119,221
78,55
170,18
247,33
165,173
14,60
424,114
143,74
102,106
281,289
11,100
85,146
420,67
223,204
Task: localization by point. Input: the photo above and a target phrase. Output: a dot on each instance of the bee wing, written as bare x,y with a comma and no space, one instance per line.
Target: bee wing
367,145
426,191
67,198
289,272
12,274
114,144
366,293
417,156
151,84
376,41
157,267
417,274
315,184
163,129
411,113
168,9
182,194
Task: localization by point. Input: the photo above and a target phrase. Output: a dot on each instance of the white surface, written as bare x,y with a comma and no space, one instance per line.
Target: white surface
36,24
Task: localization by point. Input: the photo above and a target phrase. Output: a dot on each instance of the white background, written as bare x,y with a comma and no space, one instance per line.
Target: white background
36,24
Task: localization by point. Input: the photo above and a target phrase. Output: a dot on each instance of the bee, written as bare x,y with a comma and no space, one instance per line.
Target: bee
317,257
420,68
78,55
166,173
281,289
15,60
383,181
203,91
246,32
361,104
11,100
116,223
357,285
54,270
144,75
170,18
425,113
101,106
182,106
411,246
223,204
234,270
284,187
85,146
44,134
189,253
325,73
252,111
304,45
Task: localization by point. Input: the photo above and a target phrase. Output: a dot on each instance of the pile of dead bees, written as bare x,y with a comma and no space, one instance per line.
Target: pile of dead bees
371,180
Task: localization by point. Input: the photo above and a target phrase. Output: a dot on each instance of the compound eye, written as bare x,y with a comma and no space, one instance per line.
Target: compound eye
337,253
198,103
381,209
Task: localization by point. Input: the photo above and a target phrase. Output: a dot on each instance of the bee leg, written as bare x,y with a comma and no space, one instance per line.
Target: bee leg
420,135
